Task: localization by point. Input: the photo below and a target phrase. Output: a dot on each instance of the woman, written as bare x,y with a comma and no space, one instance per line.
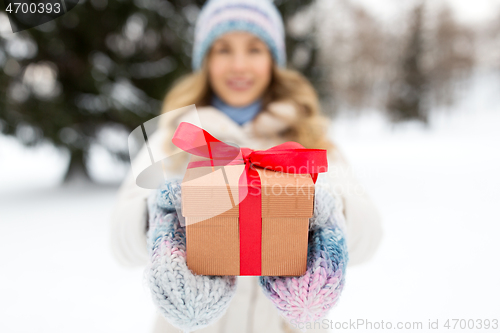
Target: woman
244,95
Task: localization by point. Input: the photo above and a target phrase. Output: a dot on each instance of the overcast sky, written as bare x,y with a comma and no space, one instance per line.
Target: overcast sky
469,11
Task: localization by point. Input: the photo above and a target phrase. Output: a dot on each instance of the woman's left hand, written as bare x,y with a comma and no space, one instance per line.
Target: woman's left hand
309,297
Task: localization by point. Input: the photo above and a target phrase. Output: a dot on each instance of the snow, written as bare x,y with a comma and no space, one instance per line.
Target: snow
437,189
58,274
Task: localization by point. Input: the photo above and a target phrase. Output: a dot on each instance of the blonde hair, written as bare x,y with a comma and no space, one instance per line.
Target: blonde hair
309,128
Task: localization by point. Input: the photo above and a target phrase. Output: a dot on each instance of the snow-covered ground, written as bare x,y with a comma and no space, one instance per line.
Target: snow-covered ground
437,189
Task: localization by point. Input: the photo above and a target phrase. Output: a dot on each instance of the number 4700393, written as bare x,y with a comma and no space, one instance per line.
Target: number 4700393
471,324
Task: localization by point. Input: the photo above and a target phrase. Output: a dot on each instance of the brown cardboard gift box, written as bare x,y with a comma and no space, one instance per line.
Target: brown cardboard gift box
210,199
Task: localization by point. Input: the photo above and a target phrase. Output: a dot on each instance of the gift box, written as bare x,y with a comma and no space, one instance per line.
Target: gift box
247,212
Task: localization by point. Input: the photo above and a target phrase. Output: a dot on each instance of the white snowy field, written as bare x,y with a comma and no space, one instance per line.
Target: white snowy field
437,188
438,191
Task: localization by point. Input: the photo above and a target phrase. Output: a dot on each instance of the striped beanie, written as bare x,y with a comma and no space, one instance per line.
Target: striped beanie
259,17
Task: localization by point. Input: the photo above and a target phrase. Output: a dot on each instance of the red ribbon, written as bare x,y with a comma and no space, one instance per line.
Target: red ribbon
289,157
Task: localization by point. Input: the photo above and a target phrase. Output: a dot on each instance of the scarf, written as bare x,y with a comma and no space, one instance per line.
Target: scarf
239,115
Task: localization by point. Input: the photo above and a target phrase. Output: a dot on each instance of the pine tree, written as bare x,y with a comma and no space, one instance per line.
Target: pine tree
408,92
451,57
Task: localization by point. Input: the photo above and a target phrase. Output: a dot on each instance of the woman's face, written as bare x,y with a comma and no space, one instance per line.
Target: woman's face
239,68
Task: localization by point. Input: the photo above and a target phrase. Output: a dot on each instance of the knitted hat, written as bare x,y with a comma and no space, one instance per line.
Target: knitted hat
259,17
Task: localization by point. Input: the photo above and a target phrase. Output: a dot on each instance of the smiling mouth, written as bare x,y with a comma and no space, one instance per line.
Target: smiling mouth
239,84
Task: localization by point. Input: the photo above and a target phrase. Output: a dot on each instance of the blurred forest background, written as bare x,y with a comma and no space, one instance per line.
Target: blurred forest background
89,77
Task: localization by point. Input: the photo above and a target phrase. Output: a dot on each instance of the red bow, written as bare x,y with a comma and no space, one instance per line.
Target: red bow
290,157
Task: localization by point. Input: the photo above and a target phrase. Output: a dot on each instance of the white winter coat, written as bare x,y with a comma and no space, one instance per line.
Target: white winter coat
250,311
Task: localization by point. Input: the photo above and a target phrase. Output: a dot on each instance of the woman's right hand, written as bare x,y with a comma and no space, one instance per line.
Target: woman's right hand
187,300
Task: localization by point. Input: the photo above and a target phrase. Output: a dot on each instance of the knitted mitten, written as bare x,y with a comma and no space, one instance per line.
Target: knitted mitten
309,297
188,301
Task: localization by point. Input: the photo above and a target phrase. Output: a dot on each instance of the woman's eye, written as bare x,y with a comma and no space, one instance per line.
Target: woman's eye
222,50
255,50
